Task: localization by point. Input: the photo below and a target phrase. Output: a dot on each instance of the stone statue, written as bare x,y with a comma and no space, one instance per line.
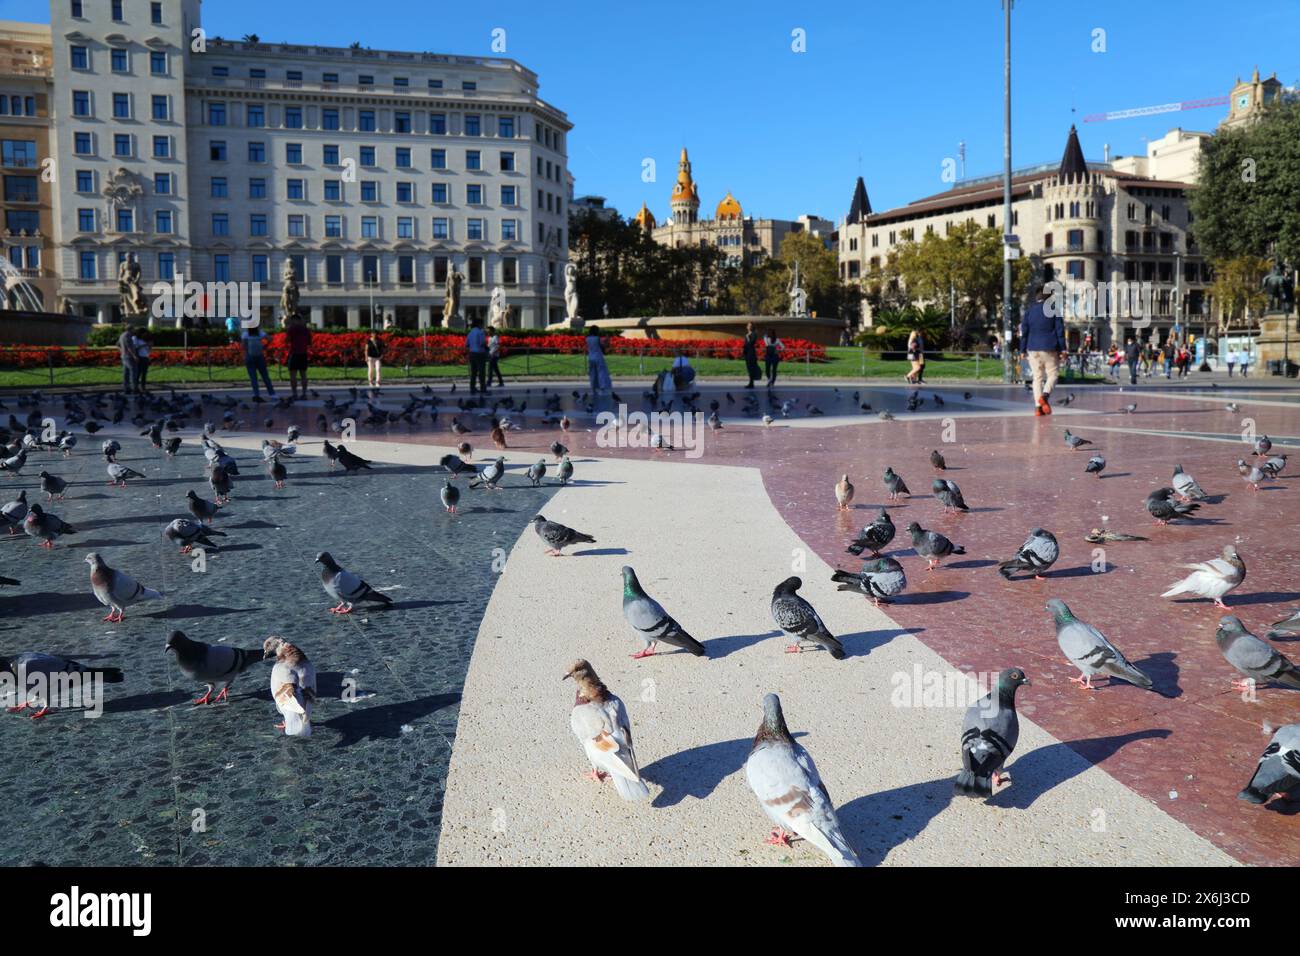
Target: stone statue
289,292
497,311
451,306
798,298
129,287
571,295
1280,289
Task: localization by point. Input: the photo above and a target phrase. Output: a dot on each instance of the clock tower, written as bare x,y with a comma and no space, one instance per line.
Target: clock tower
1248,100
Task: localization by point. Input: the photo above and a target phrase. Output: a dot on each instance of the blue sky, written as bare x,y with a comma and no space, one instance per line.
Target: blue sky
884,88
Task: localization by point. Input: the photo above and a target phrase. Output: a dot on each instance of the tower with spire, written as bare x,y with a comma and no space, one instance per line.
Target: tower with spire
685,201
1073,247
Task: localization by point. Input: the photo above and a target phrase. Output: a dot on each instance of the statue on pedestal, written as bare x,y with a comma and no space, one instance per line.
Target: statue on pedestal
289,292
798,298
497,310
451,305
129,287
571,295
1280,289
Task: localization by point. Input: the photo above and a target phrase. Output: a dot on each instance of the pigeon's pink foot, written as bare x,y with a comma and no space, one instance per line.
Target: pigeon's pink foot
793,649
224,695
596,776
1039,577
279,726
15,710
186,549
1084,682
1219,603
41,713
205,699
647,652
778,837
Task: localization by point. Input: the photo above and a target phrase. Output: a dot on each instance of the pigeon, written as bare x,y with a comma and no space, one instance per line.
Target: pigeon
599,721
1212,579
345,587
844,493
1279,767
1273,465
949,494
931,545
1095,465
1257,660
450,496
458,429
188,533
293,686
558,450
465,450
201,508
875,536
13,513
1074,441
768,420
53,486
537,472
988,736
350,462
1186,487
558,536
120,473
115,589
895,485
1036,555
797,618
213,665
491,476
14,465
1164,509
1231,407
1287,627
1251,474
652,622
45,526
565,471
457,466
277,471
784,778
1130,408
331,452
110,448
1262,446
885,415
221,484
56,675
172,446
66,443
879,580
1087,649
936,460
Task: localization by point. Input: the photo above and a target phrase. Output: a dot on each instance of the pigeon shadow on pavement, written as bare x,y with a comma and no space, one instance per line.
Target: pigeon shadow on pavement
1259,597
1116,474
594,552
154,700
49,602
877,822
722,646
183,611
385,722
697,771
1162,670
864,642
1083,571
1051,765
932,597
100,543
977,563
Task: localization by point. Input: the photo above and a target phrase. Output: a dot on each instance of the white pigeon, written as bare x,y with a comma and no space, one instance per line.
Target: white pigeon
790,791
1212,579
599,721
115,589
293,686
1186,486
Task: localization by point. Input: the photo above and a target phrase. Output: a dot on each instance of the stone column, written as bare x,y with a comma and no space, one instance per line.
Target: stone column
425,317
318,316
354,317
104,314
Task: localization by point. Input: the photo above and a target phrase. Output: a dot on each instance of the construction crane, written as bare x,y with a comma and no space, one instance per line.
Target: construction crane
1152,110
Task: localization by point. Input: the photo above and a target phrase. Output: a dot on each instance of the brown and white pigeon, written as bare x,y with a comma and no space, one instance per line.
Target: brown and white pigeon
293,686
844,493
1212,579
115,589
600,722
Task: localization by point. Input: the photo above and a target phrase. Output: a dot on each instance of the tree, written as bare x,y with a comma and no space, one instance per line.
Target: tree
819,276
1237,290
252,38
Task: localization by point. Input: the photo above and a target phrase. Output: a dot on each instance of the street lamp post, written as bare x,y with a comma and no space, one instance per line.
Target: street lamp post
1006,193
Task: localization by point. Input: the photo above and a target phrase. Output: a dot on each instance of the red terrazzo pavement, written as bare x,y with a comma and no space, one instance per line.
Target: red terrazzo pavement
1196,738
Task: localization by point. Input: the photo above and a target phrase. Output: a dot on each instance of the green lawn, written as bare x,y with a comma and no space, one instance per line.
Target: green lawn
846,363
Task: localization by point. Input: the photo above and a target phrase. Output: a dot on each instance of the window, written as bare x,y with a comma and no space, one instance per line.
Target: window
510,271
217,150
369,227
126,220
86,220
261,268
401,81
162,184
160,110
86,266
438,123
119,61
475,270
509,229
297,226
166,266
121,106
293,117
220,224
406,270
221,268
294,189
257,224
80,57
440,228
435,84
367,157
507,162
333,190
439,192
257,188
369,190
221,71
473,159
257,73
255,115
366,121
155,13
474,228
508,195
122,144
80,103
329,119
116,10
473,123
1074,240
403,158
401,121
405,192
365,79
158,63
437,159
330,155
329,78
293,154
405,227
257,152
76,9
1074,268
162,147
333,227
468,86
162,221
80,145
217,186
333,268
293,76
506,127
474,194
85,181
370,269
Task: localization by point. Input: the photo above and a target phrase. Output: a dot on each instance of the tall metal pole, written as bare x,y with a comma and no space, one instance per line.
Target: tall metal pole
1006,195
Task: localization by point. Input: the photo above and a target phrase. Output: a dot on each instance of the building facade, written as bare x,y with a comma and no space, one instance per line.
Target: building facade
375,174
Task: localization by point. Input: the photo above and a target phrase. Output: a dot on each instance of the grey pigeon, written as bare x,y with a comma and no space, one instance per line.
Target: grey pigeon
1214,578
221,484
172,446
277,471
1087,649
115,589
450,496
894,484
110,448
352,463
1095,466
13,513
45,526
53,486
558,536
201,508
558,450
55,671
1287,627
1074,441
875,536
797,618
120,473
213,665
1262,446
14,464
345,587
988,736
1036,555
1185,485
1279,767
537,472
600,722
1273,465
1164,509
931,545
1251,474
565,471
790,790
936,460
457,466
1257,660
879,580
187,533
490,477
652,622
949,494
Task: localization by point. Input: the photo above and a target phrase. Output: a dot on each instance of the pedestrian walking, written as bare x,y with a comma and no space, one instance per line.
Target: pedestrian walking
476,349
597,370
143,349
374,360
750,352
126,349
494,358
1042,337
1132,355
299,338
772,347
1231,360
916,355
254,344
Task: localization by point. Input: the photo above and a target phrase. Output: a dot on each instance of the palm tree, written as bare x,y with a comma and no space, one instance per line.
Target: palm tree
252,38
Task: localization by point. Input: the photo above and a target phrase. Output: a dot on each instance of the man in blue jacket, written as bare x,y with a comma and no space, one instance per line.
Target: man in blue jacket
1042,337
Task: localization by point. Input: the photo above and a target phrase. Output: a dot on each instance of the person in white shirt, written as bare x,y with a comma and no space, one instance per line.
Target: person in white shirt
683,374
1231,360
494,358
